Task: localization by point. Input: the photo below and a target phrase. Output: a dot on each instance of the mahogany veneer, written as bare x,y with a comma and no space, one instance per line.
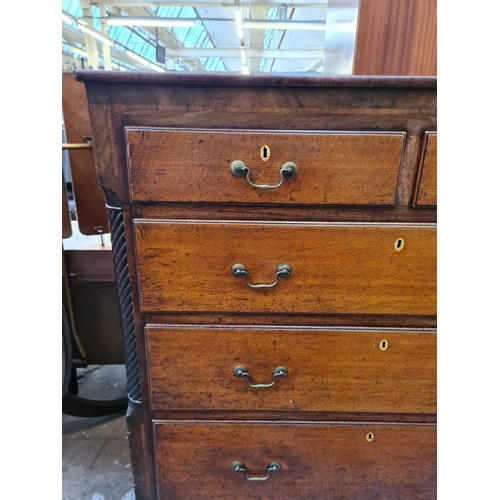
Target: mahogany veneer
342,348
426,188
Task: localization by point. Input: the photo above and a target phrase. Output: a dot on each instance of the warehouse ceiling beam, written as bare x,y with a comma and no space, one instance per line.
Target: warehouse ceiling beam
192,53
254,23
106,49
214,3
207,33
118,52
250,53
166,34
256,37
315,66
90,41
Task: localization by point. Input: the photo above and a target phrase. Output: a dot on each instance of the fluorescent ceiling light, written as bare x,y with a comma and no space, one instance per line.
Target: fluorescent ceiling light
156,67
137,57
286,25
239,25
150,21
80,52
96,34
245,70
144,61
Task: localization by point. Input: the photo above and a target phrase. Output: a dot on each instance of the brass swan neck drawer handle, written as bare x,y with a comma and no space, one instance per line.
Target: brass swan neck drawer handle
240,271
239,467
287,171
241,371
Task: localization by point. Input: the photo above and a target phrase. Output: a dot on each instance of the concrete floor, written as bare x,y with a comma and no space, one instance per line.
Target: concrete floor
95,454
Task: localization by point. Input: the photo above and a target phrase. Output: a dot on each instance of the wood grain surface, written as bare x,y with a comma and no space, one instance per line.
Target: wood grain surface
348,283
396,37
295,319
294,416
116,105
333,168
426,189
320,462
89,198
280,80
312,213
328,370
186,266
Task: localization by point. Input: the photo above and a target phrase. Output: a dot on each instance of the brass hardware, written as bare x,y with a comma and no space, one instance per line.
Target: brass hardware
282,271
399,244
73,146
239,467
370,437
265,152
287,171
384,345
241,371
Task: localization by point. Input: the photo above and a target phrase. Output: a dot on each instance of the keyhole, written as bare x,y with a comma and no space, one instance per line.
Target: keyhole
265,152
399,244
384,345
370,437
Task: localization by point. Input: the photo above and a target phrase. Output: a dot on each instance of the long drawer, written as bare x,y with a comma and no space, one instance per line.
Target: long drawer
332,268
202,461
355,168
307,369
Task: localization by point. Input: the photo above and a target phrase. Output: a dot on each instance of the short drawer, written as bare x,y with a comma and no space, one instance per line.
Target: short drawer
311,369
426,188
204,461
332,168
333,268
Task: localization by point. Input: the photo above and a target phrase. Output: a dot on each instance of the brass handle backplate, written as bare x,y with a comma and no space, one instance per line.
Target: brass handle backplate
239,467
287,171
241,371
240,271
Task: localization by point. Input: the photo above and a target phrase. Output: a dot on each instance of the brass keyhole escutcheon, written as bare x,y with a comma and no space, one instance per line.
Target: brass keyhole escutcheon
384,345
399,244
370,437
265,152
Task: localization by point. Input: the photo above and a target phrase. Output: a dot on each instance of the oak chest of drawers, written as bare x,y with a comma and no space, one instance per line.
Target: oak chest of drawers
274,241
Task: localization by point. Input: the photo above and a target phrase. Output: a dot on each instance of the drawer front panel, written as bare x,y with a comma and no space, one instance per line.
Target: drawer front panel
332,168
326,370
187,266
194,461
426,190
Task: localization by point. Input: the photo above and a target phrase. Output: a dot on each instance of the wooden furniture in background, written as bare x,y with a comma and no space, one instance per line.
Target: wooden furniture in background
396,37
92,288
321,383
89,287
89,199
